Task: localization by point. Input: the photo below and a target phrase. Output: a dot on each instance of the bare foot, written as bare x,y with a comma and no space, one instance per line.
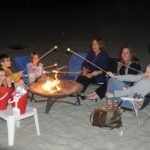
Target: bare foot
92,97
91,94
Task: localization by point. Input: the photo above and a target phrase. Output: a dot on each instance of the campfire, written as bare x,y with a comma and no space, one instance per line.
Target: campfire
51,85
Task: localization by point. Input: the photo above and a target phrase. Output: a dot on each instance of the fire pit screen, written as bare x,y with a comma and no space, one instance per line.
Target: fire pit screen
54,89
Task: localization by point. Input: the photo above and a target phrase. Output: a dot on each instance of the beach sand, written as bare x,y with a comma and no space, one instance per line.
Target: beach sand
68,127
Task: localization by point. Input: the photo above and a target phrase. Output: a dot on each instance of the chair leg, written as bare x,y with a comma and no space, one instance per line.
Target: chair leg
136,113
78,99
11,130
122,132
148,109
49,104
36,122
32,98
18,124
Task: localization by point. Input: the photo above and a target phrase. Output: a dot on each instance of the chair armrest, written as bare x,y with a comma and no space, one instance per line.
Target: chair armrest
127,98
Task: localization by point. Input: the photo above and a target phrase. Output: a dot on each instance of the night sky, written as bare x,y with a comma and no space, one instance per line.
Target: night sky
72,23
49,3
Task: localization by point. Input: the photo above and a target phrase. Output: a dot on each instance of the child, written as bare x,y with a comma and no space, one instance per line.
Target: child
8,79
35,68
4,81
5,65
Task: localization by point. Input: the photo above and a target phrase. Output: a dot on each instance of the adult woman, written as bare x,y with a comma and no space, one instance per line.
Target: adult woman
123,66
35,68
117,88
98,56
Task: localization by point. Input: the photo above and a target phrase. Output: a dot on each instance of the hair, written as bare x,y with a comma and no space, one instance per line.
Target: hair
99,41
1,69
2,58
133,58
33,53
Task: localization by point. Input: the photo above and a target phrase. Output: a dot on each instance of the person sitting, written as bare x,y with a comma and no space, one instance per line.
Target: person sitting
8,80
3,81
117,88
127,63
35,68
97,55
5,65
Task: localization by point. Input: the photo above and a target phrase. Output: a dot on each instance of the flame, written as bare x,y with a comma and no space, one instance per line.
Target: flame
51,86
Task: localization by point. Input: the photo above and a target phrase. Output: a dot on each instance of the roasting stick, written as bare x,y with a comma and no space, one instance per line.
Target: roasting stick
129,67
54,48
64,72
69,50
54,65
45,54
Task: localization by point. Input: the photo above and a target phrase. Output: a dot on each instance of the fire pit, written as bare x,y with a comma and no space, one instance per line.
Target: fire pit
55,89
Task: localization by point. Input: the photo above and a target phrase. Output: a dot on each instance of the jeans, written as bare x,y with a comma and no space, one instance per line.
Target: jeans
113,85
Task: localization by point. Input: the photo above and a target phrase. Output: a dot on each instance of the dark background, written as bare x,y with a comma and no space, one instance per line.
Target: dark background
35,3
39,25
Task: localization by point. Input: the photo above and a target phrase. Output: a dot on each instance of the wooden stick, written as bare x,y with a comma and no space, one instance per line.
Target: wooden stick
69,50
129,67
54,65
63,72
55,47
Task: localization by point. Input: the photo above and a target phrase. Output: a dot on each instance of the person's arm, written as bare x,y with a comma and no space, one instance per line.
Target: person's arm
17,76
85,71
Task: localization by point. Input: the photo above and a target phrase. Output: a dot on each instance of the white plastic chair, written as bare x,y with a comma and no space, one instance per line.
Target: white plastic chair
13,120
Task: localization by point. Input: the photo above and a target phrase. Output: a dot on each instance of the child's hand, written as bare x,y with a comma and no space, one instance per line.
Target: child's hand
20,82
20,73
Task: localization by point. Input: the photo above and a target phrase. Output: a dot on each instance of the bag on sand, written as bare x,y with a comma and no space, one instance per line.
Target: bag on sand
108,117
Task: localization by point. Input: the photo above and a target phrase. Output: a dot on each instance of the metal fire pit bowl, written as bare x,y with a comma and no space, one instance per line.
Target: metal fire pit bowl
68,88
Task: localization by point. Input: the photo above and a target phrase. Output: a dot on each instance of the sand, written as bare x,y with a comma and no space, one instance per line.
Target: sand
68,127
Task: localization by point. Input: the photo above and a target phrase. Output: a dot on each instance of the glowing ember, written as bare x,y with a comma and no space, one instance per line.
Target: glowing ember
51,86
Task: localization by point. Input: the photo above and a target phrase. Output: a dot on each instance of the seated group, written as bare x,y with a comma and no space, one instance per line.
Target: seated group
121,77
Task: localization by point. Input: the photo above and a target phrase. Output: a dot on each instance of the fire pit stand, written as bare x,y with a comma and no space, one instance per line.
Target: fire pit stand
68,88
52,100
